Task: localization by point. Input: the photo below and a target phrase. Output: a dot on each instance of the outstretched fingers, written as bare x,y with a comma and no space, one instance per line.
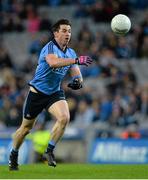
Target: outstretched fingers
89,60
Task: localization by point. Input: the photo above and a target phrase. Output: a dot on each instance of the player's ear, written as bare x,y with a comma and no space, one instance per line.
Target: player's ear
55,34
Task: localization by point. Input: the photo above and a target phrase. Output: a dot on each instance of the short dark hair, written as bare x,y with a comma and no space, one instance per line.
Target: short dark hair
56,26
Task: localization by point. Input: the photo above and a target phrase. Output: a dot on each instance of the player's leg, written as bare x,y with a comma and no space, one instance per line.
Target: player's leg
18,139
20,134
60,111
33,105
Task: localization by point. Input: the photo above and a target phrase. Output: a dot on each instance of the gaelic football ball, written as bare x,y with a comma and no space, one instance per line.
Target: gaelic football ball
120,24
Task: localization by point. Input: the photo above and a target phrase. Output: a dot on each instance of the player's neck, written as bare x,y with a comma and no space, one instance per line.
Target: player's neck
62,46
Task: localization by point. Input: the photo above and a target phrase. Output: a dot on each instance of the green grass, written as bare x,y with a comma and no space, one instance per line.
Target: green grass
76,171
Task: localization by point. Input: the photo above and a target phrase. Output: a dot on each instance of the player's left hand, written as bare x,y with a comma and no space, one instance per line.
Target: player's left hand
75,84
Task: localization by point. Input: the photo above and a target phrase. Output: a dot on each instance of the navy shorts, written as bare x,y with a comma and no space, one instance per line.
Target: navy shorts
36,102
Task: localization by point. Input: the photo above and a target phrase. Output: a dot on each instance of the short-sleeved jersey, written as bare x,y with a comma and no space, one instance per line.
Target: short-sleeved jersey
47,79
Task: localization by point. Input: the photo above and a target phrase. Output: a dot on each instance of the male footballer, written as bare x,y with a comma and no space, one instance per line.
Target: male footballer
45,91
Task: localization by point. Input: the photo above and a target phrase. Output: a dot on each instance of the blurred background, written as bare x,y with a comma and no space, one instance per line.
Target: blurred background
109,116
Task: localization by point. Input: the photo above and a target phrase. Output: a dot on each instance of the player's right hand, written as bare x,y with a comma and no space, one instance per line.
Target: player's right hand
84,60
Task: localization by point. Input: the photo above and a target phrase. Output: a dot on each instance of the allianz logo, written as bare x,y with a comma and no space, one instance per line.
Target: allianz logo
117,152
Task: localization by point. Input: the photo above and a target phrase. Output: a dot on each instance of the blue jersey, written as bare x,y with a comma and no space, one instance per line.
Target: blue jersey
47,79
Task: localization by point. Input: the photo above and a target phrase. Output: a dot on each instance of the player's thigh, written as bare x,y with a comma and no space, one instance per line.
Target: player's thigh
60,110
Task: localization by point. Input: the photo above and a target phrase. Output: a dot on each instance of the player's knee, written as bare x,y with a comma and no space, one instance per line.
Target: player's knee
64,119
26,130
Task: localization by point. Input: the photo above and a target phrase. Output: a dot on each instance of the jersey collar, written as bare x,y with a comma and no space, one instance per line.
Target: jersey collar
55,42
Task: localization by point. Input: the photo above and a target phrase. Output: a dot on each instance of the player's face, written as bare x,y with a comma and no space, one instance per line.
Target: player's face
64,34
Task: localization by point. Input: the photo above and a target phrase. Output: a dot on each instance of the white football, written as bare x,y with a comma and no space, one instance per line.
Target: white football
120,24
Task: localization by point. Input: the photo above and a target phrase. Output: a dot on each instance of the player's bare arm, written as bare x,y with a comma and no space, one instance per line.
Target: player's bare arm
77,80
76,73
56,62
